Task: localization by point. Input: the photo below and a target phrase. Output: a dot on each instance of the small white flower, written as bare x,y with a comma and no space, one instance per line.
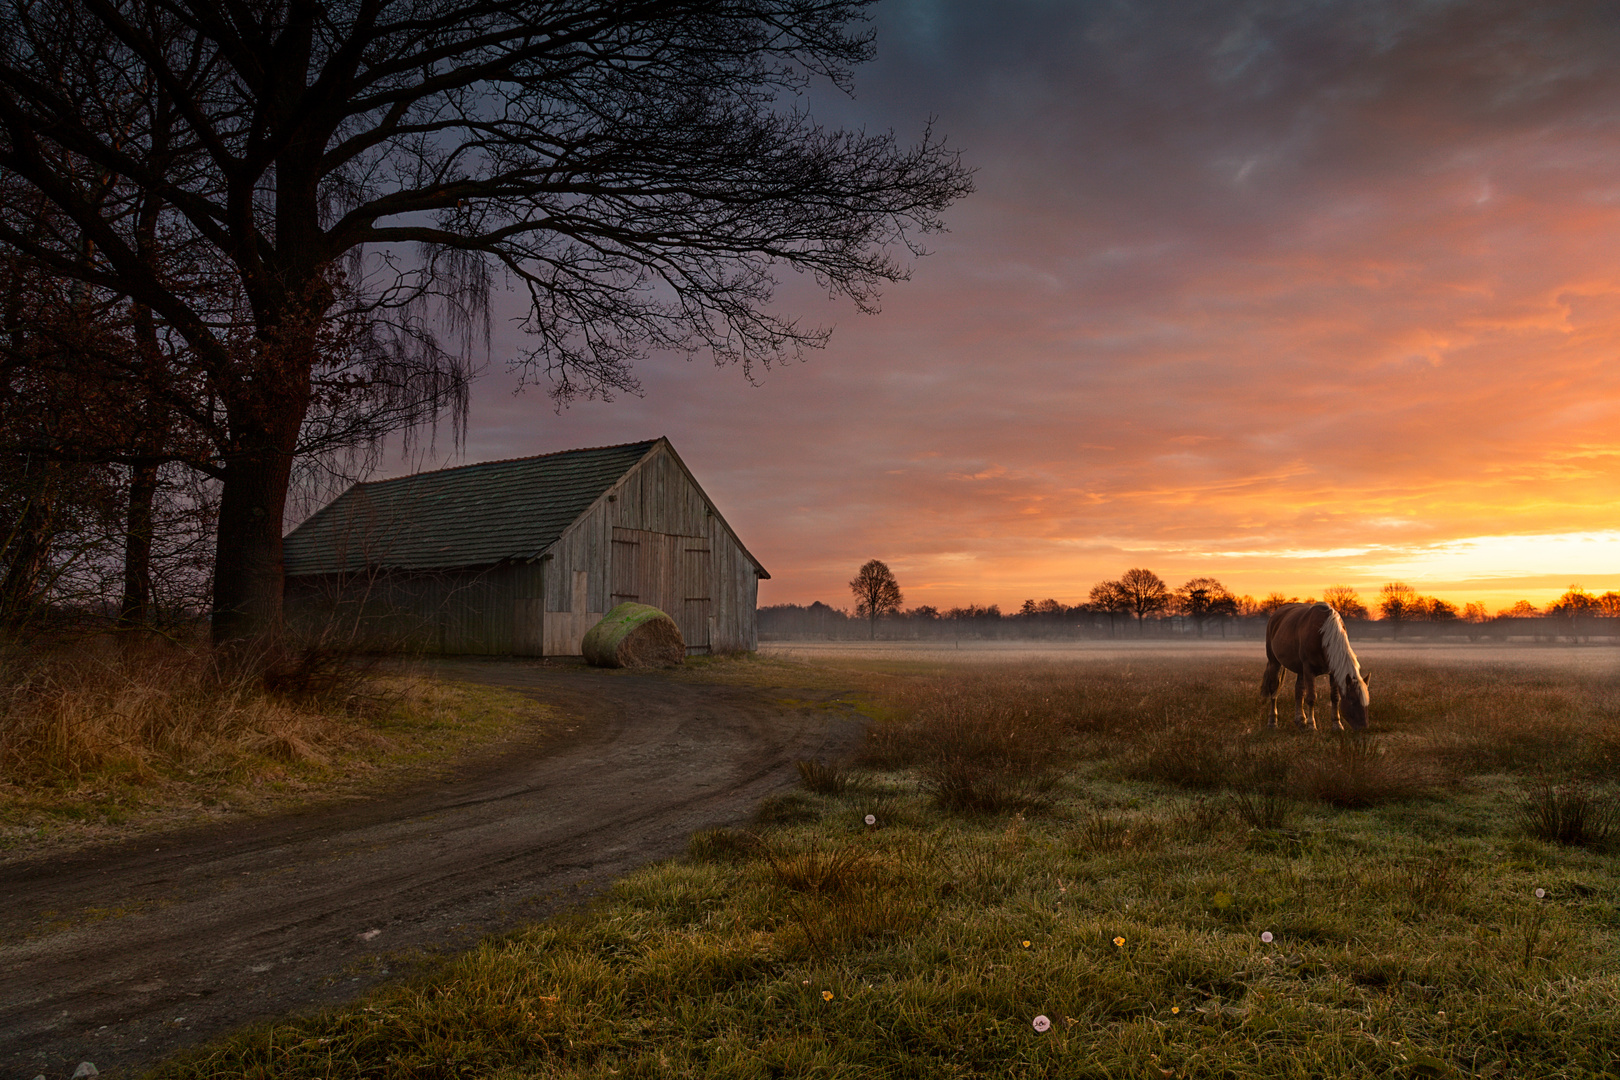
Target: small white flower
871,819
1266,937
1541,894
1041,1023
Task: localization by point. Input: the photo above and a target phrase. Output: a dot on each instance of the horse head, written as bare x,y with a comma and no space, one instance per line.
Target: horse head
1353,702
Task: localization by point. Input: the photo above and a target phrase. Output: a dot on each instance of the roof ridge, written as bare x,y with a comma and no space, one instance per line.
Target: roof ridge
501,461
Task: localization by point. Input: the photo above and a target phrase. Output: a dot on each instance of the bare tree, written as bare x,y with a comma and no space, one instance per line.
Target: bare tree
876,593
1109,596
1274,600
1345,600
1144,593
353,176
1398,601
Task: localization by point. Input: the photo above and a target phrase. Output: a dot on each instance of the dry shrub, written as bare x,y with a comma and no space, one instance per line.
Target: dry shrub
137,707
1571,814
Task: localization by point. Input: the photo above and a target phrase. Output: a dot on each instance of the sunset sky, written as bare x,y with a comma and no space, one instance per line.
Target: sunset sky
1289,294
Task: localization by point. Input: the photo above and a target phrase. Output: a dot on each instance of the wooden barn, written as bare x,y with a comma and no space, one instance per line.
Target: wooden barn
523,556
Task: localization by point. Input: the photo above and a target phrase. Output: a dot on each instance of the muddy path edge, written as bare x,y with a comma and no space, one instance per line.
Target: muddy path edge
164,942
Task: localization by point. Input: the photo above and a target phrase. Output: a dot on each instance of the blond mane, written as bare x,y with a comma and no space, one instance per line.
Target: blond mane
1341,657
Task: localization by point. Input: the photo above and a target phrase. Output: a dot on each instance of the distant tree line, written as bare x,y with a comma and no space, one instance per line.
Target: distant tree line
1141,603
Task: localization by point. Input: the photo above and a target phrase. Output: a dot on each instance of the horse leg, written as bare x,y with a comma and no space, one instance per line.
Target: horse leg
1304,698
1333,693
1270,683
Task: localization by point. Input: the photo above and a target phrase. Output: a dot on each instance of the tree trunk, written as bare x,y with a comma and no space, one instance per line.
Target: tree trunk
252,503
135,609
29,554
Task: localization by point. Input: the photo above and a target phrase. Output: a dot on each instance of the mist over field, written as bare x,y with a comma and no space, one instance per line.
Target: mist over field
1595,659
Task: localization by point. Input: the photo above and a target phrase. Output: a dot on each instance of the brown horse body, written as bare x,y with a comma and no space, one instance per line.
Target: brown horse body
1309,640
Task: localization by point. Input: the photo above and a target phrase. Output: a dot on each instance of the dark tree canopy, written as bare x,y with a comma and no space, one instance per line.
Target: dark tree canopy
313,200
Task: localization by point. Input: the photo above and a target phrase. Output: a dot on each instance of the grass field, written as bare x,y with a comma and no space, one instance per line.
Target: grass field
1106,845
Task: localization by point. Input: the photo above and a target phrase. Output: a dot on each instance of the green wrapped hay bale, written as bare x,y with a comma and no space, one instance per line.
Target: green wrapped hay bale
634,635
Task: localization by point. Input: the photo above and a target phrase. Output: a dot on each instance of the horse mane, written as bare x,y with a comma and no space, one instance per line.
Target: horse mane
1341,657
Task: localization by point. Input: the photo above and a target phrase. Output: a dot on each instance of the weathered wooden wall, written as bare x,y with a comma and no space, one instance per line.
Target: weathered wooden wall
485,610
650,538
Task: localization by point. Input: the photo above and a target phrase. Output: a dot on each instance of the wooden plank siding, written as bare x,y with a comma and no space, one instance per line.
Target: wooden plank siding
664,546
652,536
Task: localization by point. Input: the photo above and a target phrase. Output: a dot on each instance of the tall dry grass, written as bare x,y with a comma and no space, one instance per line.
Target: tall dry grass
1197,724
136,709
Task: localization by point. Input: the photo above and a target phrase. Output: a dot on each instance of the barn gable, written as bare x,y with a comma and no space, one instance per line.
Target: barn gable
522,556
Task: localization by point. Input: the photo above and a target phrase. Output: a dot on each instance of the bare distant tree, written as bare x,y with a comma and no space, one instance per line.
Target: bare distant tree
1398,601
1475,612
1145,594
1345,600
1108,596
1609,605
1519,609
876,593
1275,600
356,178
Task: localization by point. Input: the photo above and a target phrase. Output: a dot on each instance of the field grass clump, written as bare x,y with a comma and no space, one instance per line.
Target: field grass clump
1570,813
822,777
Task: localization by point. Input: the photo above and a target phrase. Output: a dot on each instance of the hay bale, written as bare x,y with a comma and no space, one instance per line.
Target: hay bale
634,635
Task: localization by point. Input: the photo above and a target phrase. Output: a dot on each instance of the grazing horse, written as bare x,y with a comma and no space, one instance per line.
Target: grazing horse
1309,640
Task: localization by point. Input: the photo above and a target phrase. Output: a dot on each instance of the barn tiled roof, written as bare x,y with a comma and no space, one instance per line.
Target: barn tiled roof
473,515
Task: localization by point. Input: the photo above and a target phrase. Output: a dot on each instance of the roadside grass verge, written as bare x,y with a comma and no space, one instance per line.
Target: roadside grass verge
1164,929
104,738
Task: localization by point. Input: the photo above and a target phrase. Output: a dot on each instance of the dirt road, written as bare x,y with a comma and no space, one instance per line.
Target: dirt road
133,952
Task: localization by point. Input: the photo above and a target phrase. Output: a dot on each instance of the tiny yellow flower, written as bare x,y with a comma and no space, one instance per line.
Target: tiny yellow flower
1026,943
1119,941
1174,1009
826,995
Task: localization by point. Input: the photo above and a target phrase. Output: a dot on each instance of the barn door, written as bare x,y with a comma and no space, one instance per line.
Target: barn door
695,585
626,568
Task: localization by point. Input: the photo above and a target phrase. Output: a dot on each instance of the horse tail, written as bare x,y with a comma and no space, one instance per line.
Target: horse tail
1271,681
1341,657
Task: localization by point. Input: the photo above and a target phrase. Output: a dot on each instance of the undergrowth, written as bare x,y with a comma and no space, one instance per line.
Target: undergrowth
104,733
